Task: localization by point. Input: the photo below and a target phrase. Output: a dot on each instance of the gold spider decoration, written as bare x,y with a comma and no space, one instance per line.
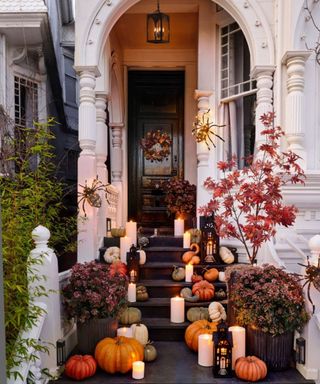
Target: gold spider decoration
89,194
312,276
202,129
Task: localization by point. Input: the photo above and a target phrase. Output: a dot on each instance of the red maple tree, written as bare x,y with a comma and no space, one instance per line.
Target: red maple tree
247,204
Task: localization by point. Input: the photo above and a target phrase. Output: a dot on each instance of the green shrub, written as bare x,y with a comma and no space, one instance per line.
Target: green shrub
30,195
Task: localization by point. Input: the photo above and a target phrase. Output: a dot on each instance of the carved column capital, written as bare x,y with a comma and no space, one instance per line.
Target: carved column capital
116,129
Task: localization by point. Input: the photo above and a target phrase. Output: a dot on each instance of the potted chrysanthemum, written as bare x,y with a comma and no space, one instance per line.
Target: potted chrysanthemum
95,297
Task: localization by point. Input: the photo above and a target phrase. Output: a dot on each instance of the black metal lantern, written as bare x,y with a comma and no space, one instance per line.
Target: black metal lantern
222,351
61,352
158,27
133,264
209,240
300,350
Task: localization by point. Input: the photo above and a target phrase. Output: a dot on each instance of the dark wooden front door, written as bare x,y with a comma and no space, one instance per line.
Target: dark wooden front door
155,102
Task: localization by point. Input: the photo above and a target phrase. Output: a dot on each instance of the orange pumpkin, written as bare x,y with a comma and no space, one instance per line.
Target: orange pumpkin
250,368
80,367
204,290
211,274
117,354
195,247
187,256
197,328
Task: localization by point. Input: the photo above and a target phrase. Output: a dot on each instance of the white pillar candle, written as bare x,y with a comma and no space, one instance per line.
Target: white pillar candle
178,227
132,296
239,343
189,272
177,310
131,231
138,370
205,350
124,331
186,240
125,244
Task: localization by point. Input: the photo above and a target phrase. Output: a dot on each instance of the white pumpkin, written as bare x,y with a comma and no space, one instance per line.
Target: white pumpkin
217,311
112,254
143,256
222,276
140,333
226,255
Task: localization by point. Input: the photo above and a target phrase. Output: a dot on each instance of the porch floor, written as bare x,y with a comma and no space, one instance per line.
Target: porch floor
176,364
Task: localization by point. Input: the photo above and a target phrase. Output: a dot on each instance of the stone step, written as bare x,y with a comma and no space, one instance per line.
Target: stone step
165,241
162,270
176,364
160,307
161,329
165,254
169,288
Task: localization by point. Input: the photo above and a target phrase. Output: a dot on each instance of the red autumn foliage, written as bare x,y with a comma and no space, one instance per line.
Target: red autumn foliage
247,203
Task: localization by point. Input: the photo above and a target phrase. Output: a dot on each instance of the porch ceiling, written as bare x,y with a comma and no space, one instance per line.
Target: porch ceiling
131,31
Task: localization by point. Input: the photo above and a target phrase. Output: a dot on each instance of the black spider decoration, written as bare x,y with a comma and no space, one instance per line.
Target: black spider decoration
312,276
89,194
202,129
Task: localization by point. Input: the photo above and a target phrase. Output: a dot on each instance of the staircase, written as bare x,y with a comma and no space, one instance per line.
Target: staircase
163,253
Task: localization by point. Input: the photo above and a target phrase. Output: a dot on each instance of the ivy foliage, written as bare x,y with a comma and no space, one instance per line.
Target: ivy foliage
31,195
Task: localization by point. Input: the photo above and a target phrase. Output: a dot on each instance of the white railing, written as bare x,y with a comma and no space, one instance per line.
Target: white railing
47,328
269,255
112,204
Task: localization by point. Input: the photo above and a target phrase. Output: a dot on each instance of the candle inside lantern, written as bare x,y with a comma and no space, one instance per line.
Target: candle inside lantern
177,310
131,231
186,240
239,343
132,293
125,244
189,273
209,248
124,331
178,227
138,370
205,351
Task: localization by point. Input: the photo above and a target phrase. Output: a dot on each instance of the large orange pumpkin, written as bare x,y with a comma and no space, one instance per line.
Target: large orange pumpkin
250,368
80,367
117,354
204,290
197,328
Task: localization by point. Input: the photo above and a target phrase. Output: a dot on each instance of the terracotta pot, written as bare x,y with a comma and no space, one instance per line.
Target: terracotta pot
275,351
94,330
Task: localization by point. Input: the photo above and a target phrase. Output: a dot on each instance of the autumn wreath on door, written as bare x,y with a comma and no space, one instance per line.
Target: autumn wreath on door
156,145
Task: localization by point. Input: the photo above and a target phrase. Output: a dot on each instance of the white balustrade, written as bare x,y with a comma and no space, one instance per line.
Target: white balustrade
112,204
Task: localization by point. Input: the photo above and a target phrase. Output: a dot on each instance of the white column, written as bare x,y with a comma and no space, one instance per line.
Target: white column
264,78
117,165
87,168
203,169
101,155
295,103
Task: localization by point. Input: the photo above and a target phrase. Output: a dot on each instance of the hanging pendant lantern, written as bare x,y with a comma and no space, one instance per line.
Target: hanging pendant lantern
158,27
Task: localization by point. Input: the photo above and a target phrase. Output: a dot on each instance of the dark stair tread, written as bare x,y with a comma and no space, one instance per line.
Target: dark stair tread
168,264
166,249
172,283
162,322
165,301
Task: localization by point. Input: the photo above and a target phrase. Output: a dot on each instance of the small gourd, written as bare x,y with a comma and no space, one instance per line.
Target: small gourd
195,278
195,248
142,256
220,295
130,316
186,293
194,260
112,254
250,368
217,311
187,256
142,293
178,273
150,352
197,313
211,274
140,333
226,255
